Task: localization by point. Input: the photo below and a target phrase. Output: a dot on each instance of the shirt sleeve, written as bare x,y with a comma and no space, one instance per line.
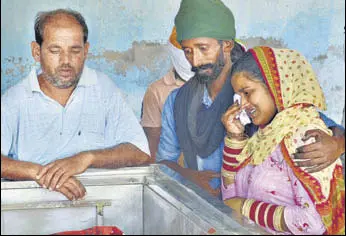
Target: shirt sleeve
233,183
169,148
122,125
329,122
151,113
7,129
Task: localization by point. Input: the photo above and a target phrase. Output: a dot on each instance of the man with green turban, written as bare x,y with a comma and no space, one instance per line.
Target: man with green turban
191,121
191,117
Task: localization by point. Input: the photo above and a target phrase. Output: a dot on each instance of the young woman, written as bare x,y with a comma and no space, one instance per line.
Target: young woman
280,93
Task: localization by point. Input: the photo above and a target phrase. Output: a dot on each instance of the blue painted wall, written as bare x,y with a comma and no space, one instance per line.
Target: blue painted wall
128,38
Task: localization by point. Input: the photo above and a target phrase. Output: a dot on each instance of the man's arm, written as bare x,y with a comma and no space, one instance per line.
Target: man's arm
200,178
168,146
153,135
122,155
151,118
325,151
56,173
20,170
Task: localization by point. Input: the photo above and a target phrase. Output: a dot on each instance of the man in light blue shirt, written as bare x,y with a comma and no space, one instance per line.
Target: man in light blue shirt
66,117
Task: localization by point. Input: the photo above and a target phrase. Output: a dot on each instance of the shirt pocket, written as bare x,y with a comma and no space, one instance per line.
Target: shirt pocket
92,131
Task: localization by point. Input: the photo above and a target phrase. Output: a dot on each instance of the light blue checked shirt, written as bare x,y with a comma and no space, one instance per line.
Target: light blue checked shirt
38,129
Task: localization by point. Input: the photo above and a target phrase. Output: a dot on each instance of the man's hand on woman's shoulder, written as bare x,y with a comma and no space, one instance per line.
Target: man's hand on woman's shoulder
320,154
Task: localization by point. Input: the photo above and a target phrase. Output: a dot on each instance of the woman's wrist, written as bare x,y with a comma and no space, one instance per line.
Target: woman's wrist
265,214
283,223
237,136
236,141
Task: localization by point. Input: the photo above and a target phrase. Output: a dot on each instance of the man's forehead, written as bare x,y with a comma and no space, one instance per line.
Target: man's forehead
57,34
199,41
62,20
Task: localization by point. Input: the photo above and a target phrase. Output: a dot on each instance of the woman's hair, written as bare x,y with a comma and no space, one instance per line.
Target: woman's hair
237,52
247,63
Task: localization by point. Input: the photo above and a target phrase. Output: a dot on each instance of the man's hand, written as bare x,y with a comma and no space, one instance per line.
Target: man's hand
319,155
72,189
202,179
20,170
55,174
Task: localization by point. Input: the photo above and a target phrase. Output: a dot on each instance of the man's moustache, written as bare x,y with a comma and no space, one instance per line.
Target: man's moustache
65,67
203,67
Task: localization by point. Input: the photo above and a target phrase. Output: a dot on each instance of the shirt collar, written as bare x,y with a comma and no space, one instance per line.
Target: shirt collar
88,78
33,78
207,101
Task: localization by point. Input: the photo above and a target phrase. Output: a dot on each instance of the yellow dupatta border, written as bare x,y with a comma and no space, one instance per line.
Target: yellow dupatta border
266,59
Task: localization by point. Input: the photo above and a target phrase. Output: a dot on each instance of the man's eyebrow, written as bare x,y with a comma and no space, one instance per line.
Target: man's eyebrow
57,46
201,44
54,46
197,45
242,89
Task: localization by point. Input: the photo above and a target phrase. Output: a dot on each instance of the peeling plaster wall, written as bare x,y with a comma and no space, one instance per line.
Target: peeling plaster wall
128,38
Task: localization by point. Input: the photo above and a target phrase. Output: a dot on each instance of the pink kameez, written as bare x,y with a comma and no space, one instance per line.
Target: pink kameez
274,182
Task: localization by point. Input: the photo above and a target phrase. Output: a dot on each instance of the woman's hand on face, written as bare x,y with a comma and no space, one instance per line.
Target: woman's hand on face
233,125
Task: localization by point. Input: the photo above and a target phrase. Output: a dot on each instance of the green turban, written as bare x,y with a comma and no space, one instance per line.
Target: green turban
204,18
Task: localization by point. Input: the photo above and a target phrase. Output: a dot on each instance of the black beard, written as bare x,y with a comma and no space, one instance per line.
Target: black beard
216,70
205,79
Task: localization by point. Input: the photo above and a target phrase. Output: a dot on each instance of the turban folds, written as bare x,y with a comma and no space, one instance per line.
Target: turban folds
204,18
